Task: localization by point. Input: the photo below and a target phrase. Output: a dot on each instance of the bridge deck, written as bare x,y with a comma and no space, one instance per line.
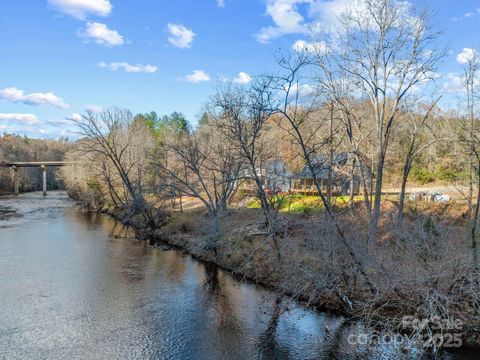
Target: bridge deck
39,164
35,163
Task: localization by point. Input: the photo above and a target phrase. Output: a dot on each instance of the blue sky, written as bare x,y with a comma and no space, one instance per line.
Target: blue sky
60,57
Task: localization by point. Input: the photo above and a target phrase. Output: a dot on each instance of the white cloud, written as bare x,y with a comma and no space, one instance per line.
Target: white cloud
137,68
466,55
314,47
16,95
286,17
304,90
300,45
74,117
94,108
180,36
327,13
80,9
306,16
221,3
102,35
468,14
24,129
60,122
454,84
29,119
35,131
242,78
472,13
197,76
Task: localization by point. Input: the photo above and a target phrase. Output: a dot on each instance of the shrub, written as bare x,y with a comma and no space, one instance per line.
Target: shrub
421,175
93,198
447,174
306,205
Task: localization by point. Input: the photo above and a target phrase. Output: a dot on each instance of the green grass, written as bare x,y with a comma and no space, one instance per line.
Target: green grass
301,204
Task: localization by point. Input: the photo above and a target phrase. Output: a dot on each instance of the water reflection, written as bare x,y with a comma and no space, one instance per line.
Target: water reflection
211,277
80,287
268,346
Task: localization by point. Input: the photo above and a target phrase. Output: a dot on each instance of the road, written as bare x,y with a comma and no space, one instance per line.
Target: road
453,191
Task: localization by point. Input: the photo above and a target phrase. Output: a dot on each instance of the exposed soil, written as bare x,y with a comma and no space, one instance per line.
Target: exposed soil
313,259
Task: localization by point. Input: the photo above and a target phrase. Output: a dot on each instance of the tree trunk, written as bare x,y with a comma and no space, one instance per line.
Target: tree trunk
474,227
330,158
470,189
378,197
352,185
401,202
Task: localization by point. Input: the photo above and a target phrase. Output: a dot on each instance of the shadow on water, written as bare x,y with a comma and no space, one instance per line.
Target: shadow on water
92,292
211,277
268,346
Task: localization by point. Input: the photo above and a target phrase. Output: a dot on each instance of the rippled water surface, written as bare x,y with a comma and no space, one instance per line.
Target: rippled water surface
76,286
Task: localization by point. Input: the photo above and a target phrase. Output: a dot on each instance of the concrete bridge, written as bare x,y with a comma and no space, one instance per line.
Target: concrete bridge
39,164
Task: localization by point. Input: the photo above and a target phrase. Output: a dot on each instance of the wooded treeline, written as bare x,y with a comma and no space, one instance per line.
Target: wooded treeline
367,89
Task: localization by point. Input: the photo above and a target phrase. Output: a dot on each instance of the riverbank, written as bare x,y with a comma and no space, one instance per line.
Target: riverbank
414,277
79,286
311,258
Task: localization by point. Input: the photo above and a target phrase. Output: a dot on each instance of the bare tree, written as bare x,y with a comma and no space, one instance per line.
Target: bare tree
299,103
416,126
200,164
387,49
343,92
112,139
242,114
470,137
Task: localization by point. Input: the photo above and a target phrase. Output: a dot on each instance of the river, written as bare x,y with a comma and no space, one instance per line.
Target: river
78,286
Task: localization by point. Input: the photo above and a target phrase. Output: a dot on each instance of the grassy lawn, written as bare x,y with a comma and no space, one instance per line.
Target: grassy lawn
302,204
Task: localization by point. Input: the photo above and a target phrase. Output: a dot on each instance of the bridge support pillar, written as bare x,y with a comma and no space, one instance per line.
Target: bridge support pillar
15,180
44,177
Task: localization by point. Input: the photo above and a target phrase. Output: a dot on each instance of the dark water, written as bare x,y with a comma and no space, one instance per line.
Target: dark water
74,286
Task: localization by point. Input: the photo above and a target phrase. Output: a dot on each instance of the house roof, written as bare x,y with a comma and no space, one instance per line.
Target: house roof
320,170
321,167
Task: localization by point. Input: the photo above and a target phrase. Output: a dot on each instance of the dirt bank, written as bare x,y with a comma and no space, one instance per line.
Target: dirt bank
407,267
419,269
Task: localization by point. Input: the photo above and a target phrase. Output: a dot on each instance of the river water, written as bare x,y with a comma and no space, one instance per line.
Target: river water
77,286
